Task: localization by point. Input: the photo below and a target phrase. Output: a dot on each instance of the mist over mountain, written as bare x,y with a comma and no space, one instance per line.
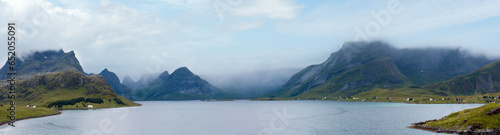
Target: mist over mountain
362,66
141,83
43,62
252,84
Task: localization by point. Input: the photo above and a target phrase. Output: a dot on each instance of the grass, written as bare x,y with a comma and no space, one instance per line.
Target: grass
24,112
460,120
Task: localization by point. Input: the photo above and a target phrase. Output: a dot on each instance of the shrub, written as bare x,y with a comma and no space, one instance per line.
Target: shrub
94,100
118,101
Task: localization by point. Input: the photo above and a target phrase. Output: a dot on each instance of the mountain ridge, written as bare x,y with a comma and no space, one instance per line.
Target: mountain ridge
182,84
363,66
114,83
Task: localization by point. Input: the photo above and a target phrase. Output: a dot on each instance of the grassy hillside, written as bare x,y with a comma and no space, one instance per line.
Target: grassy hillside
484,80
474,120
24,112
41,90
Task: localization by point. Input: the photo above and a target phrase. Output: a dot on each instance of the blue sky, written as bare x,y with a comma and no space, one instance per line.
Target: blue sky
215,37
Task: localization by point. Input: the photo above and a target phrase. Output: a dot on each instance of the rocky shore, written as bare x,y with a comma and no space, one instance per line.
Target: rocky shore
471,129
482,120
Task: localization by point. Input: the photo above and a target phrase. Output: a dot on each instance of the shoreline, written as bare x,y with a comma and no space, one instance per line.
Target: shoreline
59,111
471,130
360,101
32,117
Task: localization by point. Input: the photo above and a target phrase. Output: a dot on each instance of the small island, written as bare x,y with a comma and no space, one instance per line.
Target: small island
481,120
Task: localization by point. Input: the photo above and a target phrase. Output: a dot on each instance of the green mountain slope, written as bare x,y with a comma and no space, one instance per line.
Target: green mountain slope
363,66
482,81
481,85
42,90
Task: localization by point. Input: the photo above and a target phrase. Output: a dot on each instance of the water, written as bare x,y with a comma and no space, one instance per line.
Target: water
240,118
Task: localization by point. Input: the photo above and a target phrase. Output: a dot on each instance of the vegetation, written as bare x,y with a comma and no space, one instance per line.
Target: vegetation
118,101
25,112
74,101
66,90
470,120
94,100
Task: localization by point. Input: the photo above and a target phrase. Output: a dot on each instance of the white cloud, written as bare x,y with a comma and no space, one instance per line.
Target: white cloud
273,9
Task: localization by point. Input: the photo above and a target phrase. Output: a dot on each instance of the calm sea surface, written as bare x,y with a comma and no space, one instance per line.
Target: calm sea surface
240,118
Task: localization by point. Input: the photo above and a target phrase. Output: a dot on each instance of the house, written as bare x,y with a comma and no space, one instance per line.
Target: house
442,99
30,106
409,99
90,106
355,98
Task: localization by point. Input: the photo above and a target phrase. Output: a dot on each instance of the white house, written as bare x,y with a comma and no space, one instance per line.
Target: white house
90,106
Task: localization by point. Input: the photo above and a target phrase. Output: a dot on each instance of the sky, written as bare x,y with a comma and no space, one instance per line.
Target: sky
221,37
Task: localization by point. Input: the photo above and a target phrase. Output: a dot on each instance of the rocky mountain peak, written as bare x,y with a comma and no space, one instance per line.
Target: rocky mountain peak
165,75
182,72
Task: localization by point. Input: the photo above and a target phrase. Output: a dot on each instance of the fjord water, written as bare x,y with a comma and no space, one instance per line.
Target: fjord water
240,118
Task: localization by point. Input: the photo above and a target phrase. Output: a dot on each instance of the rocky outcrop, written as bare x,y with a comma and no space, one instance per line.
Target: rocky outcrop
474,129
494,111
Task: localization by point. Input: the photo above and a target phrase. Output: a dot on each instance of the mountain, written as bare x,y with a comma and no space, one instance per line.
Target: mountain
43,62
115,84
127,81
363,66
182,84
482,81
65,87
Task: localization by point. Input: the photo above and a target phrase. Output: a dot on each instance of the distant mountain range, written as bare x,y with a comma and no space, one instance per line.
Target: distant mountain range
143,81
356,68
182,84
363,66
